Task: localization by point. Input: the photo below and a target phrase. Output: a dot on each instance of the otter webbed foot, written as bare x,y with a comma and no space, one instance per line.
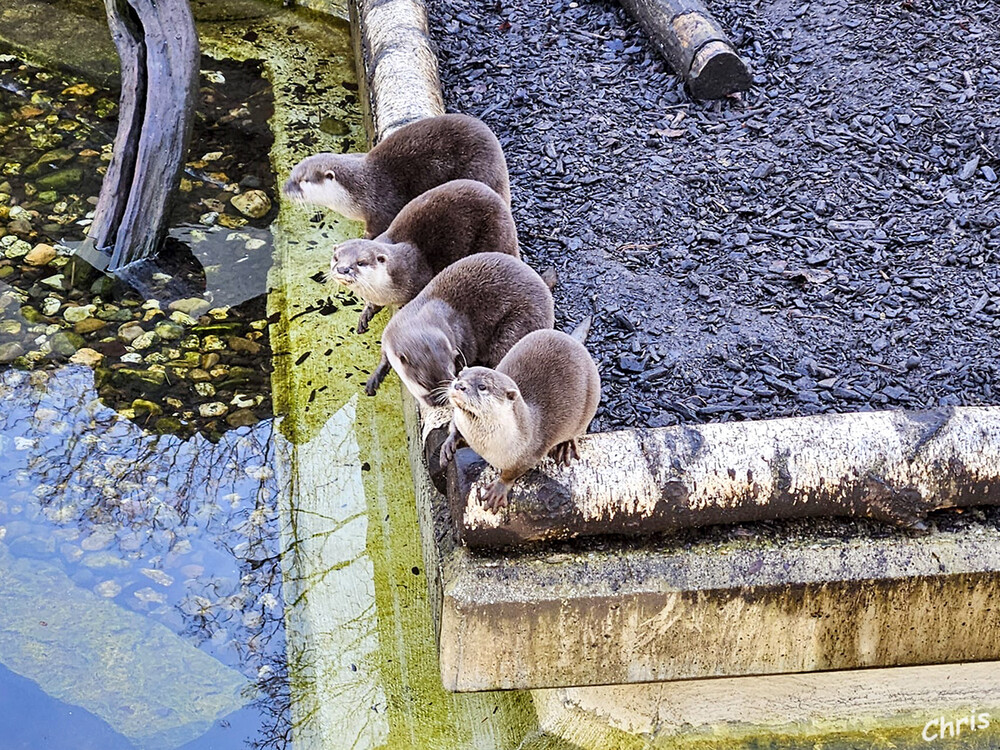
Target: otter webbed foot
563,453
495,496
369,312
371,387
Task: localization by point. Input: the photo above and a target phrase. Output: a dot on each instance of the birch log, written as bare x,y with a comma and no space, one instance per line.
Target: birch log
397,67
694,44
890,466
158,48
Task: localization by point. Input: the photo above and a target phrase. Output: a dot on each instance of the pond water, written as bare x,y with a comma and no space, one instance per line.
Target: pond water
208,534
140,570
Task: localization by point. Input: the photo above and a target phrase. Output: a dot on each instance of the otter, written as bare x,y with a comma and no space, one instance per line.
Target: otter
374,187
539,399
471,313
449,222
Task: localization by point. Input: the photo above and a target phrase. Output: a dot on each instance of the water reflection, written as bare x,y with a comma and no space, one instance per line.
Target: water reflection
183,533
340,700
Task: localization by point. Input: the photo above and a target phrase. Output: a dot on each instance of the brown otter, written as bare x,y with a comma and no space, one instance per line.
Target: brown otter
471,313
374,187
449,222
537,401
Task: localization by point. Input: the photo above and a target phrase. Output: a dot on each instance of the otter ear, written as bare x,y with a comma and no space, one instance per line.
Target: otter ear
380,258
511,394
330,176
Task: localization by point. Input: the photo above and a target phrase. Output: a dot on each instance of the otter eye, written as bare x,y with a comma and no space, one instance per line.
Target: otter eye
482,387
362,263
402,359
329,176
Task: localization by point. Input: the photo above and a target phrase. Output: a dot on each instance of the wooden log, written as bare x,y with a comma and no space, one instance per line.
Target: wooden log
158,47
397,67
694,44
890,466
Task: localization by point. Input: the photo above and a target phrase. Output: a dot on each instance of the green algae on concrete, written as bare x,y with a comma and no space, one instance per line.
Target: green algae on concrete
907,707
147,683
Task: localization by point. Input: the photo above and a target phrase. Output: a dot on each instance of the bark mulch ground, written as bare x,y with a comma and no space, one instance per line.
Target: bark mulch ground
827,242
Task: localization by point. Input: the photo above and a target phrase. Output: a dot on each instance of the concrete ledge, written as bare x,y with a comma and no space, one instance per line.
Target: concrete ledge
908,707
808,598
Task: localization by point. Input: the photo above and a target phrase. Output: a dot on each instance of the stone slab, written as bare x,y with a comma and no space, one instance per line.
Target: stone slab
906,707
798,596
90,652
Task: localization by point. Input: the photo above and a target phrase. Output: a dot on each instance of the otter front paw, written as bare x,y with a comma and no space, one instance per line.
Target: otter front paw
448,448
371,387
369,312
564,452
495,496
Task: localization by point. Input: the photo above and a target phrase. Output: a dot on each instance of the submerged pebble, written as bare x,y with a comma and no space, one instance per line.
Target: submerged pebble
108,589
40,255
253,203
212,409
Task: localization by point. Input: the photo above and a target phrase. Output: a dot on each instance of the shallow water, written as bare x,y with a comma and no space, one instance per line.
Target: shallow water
140,570
166,545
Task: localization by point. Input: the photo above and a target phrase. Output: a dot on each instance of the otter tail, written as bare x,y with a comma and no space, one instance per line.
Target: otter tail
582,329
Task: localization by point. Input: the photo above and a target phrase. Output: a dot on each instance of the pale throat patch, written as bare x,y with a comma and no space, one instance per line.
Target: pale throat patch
374,285
501,443
331,194
417,390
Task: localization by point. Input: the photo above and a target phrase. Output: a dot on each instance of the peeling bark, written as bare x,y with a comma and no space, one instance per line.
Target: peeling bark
890,466
694,44
158,47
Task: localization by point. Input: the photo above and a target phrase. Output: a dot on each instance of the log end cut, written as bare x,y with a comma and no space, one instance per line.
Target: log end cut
717,71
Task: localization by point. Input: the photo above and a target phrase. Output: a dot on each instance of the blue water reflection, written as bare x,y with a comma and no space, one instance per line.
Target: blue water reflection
182,532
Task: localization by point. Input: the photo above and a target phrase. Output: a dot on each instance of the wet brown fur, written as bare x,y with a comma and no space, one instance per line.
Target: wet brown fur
553,398
445,224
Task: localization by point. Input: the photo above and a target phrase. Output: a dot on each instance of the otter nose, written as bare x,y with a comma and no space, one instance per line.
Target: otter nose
459,385
344,270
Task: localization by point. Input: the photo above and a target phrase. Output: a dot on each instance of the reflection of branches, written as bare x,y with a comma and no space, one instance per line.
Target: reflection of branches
195,518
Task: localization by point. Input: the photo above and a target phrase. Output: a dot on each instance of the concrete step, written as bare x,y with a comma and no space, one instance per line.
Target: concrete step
788,597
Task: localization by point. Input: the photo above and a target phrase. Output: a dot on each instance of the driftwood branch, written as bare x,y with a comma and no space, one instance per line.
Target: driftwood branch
694,44
158,47
890,466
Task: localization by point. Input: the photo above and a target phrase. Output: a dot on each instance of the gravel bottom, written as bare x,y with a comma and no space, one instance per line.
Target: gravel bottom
181,345
826,242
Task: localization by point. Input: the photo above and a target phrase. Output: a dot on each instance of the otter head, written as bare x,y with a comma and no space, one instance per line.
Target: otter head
363,267
329,180
481,392
425,358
